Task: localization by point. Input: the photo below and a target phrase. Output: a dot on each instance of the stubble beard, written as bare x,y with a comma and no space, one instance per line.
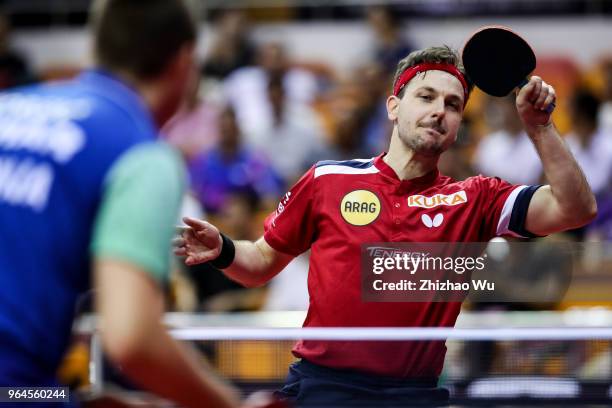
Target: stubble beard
419,145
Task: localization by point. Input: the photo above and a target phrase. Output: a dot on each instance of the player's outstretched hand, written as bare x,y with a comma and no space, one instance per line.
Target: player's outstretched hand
200,242
532,103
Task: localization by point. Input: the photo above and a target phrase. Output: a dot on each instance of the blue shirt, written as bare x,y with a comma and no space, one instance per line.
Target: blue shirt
57,144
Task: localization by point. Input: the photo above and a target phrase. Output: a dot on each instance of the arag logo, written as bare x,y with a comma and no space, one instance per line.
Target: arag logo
436,200
360,207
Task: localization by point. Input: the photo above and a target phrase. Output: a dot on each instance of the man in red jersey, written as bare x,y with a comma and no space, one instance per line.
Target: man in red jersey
398,196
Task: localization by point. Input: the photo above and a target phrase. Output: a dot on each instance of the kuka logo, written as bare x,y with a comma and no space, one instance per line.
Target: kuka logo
439,199
429,223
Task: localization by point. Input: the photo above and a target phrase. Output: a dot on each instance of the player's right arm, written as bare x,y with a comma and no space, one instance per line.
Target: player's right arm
255,263
289,231
131,307
130,250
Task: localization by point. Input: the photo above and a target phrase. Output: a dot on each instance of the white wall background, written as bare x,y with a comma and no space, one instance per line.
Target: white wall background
343,44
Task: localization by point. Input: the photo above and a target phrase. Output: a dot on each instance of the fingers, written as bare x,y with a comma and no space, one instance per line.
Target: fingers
530,92
545,97
179,246
537,93
525,93
198,257
200,242
207,233
180,252
197,225
551,98
188,237
194,251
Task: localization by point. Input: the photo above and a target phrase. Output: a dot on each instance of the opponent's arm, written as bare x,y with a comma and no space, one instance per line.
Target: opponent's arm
130,243
254,263
567,202
131,307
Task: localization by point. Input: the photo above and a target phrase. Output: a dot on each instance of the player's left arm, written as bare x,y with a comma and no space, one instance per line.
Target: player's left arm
567,202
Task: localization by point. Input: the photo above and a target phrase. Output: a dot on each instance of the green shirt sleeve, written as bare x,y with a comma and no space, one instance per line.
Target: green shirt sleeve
140,207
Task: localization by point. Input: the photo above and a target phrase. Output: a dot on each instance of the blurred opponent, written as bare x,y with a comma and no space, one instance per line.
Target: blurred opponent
398,196
88,195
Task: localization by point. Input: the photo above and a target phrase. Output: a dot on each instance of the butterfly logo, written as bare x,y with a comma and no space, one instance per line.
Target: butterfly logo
429,223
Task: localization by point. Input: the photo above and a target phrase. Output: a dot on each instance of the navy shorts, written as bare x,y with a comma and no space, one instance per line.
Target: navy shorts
312,385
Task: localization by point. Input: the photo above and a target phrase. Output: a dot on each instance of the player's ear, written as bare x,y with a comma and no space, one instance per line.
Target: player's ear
182,62
392,107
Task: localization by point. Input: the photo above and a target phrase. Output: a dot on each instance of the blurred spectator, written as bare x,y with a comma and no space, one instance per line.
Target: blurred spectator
232,47
374,83
390,45
289,289
605,111
356,114
591,146
195,128
295,139
507,152
246,89
455,162
14,69
347,141
601,228
232,167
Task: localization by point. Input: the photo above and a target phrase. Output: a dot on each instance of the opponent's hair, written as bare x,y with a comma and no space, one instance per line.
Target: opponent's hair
439,55
140,37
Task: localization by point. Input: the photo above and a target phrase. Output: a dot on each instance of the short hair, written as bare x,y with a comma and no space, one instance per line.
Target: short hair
140,36
439,55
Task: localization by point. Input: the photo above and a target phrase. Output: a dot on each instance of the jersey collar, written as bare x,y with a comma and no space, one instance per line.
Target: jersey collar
405,185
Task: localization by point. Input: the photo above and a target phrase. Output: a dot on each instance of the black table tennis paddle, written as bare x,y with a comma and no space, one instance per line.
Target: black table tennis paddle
498,60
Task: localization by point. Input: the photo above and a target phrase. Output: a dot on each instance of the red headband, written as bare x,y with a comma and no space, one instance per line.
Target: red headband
411,72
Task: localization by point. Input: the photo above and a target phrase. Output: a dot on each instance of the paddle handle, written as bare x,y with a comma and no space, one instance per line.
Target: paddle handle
550,108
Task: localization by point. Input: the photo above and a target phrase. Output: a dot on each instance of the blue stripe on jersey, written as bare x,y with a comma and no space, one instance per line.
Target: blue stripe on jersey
356,164
519,212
